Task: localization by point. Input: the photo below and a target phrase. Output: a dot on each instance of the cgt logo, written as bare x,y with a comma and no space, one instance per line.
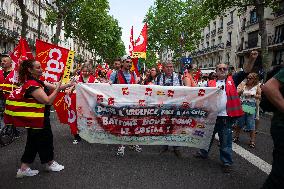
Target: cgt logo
125,91
54,65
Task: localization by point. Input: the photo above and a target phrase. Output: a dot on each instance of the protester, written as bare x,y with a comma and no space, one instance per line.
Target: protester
203,82
188,79
150,77
7,84
249,93
116,65
39,140
273,90
229,108
125,76
102,77
169,78
85,74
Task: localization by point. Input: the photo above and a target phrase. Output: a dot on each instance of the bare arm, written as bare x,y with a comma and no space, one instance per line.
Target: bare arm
272,91
41,96
248,65
258,93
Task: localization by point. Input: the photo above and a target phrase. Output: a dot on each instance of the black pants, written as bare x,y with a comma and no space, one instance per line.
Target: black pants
275,179
39,141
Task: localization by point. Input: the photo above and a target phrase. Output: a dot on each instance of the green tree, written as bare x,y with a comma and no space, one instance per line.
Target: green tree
89,22
175,25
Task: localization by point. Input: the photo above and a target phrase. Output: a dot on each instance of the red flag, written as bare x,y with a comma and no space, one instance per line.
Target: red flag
65,107
20,53
55,61
131,46
142,41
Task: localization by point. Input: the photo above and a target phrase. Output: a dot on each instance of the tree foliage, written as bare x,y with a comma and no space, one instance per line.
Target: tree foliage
175,25
89,22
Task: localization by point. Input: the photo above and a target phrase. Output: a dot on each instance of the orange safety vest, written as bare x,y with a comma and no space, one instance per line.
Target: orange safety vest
6,84
24,112
122,80
234,107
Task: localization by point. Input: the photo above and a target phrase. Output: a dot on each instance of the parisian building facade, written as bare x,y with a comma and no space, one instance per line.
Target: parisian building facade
230,38
10,27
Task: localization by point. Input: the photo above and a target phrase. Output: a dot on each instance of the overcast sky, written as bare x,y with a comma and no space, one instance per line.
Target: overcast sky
130,13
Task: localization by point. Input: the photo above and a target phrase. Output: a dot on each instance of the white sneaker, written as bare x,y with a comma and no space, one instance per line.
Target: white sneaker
54,167
75,141
120,151
26,173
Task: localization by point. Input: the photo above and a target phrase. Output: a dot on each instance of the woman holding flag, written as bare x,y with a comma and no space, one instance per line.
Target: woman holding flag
29,106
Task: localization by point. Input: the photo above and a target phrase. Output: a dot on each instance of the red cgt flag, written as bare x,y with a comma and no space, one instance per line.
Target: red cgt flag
55,61
65,106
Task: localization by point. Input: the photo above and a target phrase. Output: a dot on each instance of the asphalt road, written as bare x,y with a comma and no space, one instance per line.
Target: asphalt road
96,166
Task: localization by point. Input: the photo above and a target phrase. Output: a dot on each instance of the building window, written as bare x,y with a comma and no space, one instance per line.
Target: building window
244,24
228,58
214,25
242,60
278,57
207,44
253,39
219,39
232,16
253,17
213,42
221,22
279,34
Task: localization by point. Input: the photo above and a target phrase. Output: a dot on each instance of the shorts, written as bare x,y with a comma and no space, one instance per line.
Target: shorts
247,121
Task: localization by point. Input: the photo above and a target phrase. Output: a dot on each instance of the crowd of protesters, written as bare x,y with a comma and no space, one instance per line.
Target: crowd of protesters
238,106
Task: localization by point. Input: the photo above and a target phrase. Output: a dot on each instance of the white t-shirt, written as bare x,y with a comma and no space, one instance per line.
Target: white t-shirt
222,104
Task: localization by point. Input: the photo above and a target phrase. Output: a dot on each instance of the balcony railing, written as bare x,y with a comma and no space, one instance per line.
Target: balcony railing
208,49
220,30
10,34
207,35
273,40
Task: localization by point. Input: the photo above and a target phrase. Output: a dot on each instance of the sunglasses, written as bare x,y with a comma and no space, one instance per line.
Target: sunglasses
222,69
128,61
249,78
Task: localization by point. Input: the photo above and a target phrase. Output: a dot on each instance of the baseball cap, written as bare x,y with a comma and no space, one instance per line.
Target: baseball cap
125,57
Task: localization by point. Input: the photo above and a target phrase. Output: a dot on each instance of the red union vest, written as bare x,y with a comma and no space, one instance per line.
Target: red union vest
234,107
91,79
122,80
7,84
24,112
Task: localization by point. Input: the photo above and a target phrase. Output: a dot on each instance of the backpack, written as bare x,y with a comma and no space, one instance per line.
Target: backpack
265,104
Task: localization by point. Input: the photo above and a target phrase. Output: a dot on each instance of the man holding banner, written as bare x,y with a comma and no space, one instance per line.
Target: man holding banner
125,76
169,78
229,108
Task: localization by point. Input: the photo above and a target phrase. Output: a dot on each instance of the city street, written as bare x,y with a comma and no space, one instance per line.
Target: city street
97,166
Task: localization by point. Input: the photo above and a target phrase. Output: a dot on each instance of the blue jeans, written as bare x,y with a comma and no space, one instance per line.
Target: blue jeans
223,127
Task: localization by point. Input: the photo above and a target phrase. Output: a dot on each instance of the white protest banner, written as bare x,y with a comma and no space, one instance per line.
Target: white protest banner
146,114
